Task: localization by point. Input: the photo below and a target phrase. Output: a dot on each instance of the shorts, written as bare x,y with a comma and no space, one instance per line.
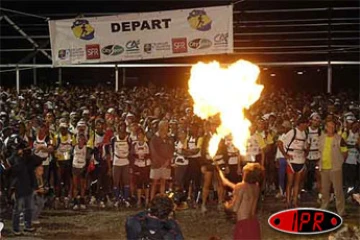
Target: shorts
207,166
79,172
142,177
295,167
160,173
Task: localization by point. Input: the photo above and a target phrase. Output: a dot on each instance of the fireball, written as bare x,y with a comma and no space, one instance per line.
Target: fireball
227,92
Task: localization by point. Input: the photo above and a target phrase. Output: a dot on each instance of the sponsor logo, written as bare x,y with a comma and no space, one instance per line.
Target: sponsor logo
199,20
112,50
161,46
141,25
64,54
221,39
133,46
200,43
179,45
83,30
93,51
77,52
147,47
305,221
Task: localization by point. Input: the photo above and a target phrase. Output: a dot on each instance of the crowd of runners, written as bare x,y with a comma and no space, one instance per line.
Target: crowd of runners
77,148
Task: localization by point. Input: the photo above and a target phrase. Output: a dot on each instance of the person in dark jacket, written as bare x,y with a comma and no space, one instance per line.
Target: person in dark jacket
161,151
155,223
23,167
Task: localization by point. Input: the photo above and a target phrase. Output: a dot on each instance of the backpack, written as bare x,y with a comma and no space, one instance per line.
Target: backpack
148,234
293,139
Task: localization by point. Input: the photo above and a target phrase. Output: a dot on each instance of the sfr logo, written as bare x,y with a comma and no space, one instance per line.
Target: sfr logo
179,45
93,51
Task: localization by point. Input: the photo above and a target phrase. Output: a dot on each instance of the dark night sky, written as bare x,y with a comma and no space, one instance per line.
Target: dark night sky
70,9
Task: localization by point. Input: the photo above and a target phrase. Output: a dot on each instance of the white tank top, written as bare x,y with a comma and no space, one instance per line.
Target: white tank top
297,148
141,150
353,153
252,149
231,149
79,160
41,154
64,149
179,159
313,140
121,152
192,145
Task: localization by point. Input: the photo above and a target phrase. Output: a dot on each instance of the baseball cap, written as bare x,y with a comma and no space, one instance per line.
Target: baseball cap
350,119
81,123
86,111
315,116
63,125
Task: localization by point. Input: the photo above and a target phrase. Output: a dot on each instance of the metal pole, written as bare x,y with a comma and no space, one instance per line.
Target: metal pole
17,80
329,77
16,27
60,77
329,67
116,79
124,76
34,72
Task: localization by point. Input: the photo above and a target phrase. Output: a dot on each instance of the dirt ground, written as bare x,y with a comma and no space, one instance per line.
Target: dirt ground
109,224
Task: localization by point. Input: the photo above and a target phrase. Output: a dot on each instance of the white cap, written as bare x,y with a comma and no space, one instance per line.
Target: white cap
350,119
111,110
81,124
315,115
86,111
63,125
130,115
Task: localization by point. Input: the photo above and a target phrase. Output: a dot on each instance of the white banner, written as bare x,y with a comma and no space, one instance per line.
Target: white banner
135,36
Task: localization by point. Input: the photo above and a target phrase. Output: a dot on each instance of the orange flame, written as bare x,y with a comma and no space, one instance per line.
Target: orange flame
225,91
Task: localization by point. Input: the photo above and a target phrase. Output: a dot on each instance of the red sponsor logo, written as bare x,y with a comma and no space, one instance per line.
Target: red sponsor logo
179,45
93,51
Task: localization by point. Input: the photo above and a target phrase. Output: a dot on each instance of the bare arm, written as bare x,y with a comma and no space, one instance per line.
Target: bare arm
226,182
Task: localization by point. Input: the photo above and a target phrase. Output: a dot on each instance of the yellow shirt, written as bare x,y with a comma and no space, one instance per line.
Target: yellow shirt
326,154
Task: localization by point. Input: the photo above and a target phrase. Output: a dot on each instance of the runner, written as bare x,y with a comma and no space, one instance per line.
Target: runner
293,147
63,147
140,152
80,162
120,145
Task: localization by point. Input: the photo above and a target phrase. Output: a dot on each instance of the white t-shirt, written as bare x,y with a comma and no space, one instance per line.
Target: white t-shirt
295,148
